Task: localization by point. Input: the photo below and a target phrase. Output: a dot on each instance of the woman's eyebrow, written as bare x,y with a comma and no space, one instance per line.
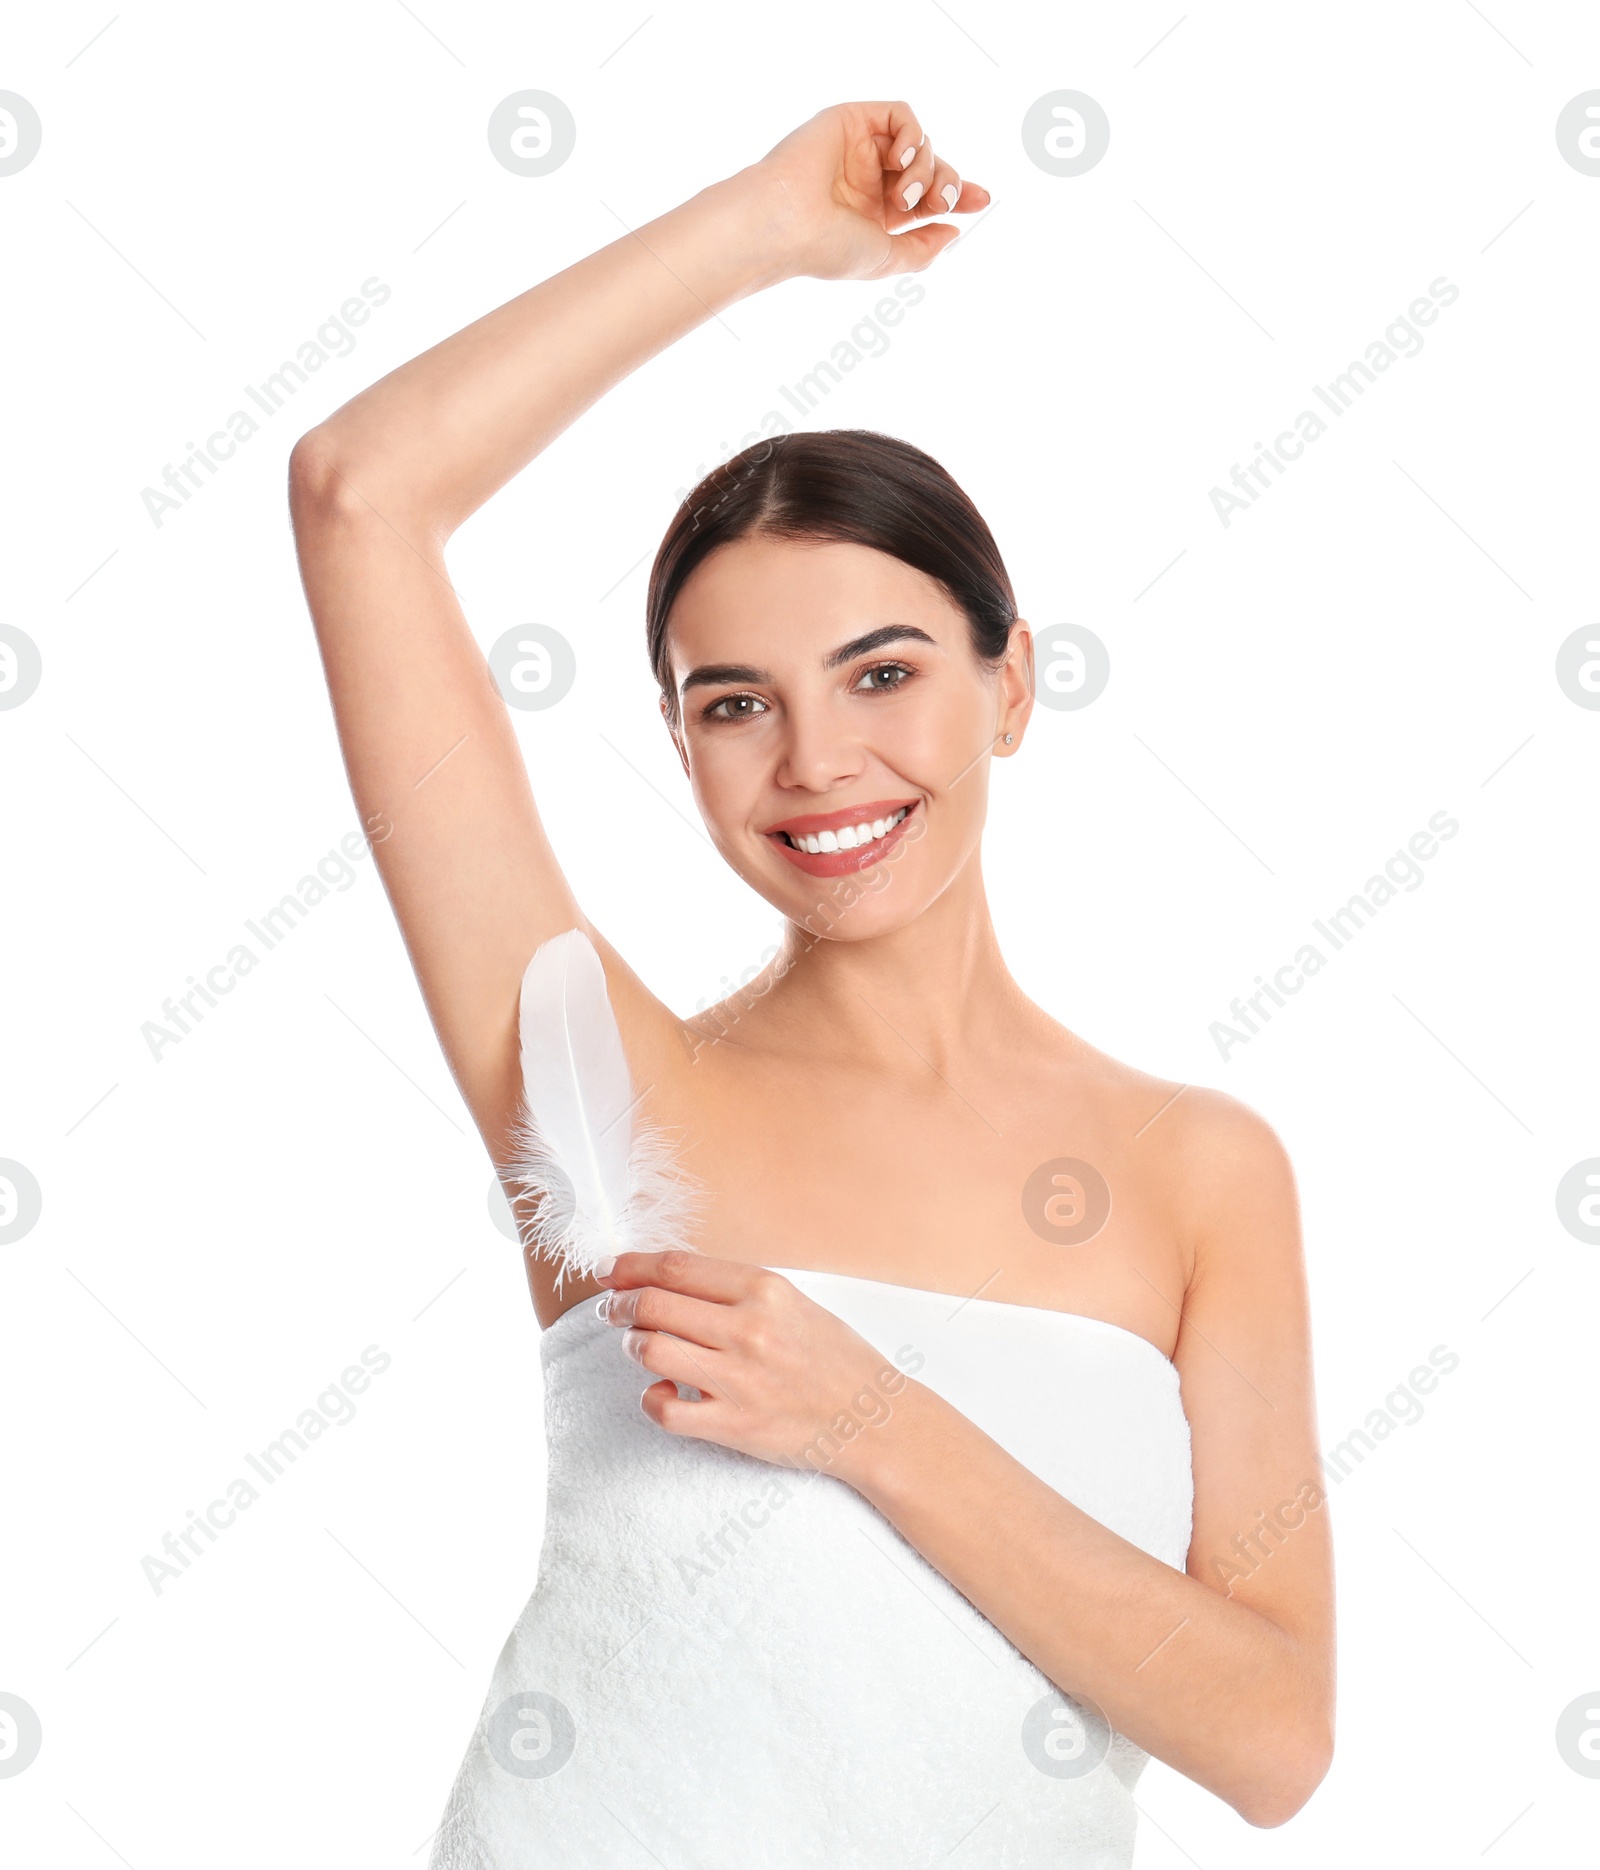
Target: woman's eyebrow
876,639
719,674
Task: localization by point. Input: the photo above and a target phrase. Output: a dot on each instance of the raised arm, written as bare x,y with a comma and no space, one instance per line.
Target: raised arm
375,493
377,490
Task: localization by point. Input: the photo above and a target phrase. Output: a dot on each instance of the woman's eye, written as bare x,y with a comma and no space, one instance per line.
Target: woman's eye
739,708
895,670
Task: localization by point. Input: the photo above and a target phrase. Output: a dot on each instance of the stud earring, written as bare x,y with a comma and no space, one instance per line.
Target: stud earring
1010,738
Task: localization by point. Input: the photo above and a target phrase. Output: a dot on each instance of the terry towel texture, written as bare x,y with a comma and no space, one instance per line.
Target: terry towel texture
729,1665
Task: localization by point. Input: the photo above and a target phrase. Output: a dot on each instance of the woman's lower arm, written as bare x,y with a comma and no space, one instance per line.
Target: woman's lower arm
439,435
1208,1685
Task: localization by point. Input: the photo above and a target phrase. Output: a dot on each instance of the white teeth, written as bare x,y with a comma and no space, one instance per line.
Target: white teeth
848,837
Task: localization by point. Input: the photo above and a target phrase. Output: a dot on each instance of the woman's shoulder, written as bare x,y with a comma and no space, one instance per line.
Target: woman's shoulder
1179,1117
1213,1160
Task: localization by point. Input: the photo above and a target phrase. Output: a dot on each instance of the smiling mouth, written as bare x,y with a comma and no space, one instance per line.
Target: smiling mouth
847,837
836,843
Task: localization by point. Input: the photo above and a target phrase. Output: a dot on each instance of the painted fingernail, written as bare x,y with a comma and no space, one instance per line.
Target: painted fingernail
632,1342
951,192
908,155
913,195
602,1268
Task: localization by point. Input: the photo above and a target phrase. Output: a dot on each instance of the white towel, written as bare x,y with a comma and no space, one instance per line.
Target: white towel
726,1663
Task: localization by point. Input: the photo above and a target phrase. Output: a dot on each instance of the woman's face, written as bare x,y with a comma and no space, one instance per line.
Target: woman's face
824,690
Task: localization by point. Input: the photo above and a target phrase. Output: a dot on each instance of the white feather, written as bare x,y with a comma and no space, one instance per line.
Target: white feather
607,1184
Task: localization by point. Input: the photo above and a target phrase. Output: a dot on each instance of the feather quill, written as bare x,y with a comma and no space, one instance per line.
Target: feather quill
606,1183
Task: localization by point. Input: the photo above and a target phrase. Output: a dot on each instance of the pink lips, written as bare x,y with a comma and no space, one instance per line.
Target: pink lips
843,863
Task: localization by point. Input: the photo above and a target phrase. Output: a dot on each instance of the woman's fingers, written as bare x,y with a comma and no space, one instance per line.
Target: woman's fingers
713,1303
931,186
944,191
652,1308
697,1274
705,1370
709,1419
908,188
917,248
898,145
665,1356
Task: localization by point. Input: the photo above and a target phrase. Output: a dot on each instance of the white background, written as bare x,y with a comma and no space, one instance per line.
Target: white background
1373,642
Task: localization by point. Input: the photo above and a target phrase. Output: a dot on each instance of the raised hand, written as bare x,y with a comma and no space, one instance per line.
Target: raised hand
838,190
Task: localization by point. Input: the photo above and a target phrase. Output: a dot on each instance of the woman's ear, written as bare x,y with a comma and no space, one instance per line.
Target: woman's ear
677,738
1016,688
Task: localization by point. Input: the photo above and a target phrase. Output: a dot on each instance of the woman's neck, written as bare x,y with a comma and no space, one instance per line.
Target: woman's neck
923,995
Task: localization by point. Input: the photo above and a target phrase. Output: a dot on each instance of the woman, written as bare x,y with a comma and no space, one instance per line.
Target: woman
998,1470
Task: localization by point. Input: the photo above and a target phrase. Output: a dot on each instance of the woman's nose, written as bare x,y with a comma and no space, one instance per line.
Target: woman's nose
818,754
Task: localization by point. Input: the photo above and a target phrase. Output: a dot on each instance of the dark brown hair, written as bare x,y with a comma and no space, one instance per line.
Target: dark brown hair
849,485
